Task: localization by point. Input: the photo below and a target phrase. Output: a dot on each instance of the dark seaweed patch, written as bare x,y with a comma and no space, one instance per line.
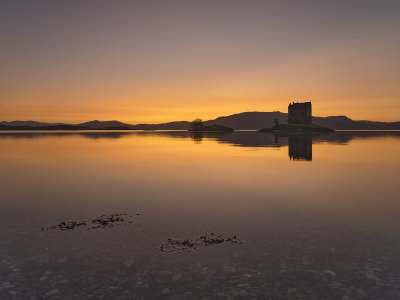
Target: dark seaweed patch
205,240
104,221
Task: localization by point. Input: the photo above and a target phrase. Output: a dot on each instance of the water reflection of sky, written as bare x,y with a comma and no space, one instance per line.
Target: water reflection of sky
300,146
290,214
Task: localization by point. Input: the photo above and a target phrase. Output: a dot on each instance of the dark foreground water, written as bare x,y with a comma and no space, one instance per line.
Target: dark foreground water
319,217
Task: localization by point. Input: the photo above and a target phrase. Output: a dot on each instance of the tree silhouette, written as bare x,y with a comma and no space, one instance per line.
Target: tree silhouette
196,124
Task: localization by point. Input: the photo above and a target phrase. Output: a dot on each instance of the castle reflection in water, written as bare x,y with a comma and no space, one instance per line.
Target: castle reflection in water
300,146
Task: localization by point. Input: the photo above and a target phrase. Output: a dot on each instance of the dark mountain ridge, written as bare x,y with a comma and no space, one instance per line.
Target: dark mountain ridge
241,121
29,123
177,125
104,124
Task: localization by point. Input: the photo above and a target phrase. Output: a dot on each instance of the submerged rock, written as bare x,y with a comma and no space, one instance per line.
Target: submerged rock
129,263
330,272
176,277
52,292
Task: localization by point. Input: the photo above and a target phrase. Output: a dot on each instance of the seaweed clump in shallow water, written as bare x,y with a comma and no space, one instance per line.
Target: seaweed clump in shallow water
208,239
104,221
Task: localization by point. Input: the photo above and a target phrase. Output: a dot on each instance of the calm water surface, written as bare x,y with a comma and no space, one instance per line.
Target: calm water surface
319,217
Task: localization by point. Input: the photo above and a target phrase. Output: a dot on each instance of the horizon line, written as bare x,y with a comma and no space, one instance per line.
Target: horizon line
151,123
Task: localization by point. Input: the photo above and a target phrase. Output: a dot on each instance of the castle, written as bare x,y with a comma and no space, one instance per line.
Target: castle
299,113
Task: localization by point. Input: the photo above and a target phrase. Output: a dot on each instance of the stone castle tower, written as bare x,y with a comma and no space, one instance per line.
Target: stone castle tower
299,113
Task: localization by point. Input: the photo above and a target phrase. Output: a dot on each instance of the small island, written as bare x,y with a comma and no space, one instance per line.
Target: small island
297,128
299,121
197,125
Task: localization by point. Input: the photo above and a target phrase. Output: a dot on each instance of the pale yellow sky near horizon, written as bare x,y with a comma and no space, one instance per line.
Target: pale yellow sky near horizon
155,61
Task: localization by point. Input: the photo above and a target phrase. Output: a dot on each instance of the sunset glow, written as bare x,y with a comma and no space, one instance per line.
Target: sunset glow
159,61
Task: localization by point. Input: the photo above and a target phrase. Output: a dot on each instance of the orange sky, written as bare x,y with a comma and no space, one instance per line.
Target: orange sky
148,61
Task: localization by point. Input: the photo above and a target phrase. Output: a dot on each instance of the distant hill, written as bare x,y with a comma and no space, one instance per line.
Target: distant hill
250,120
241,121
258,120
343,122
28,123
105,124
49,127
178,125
